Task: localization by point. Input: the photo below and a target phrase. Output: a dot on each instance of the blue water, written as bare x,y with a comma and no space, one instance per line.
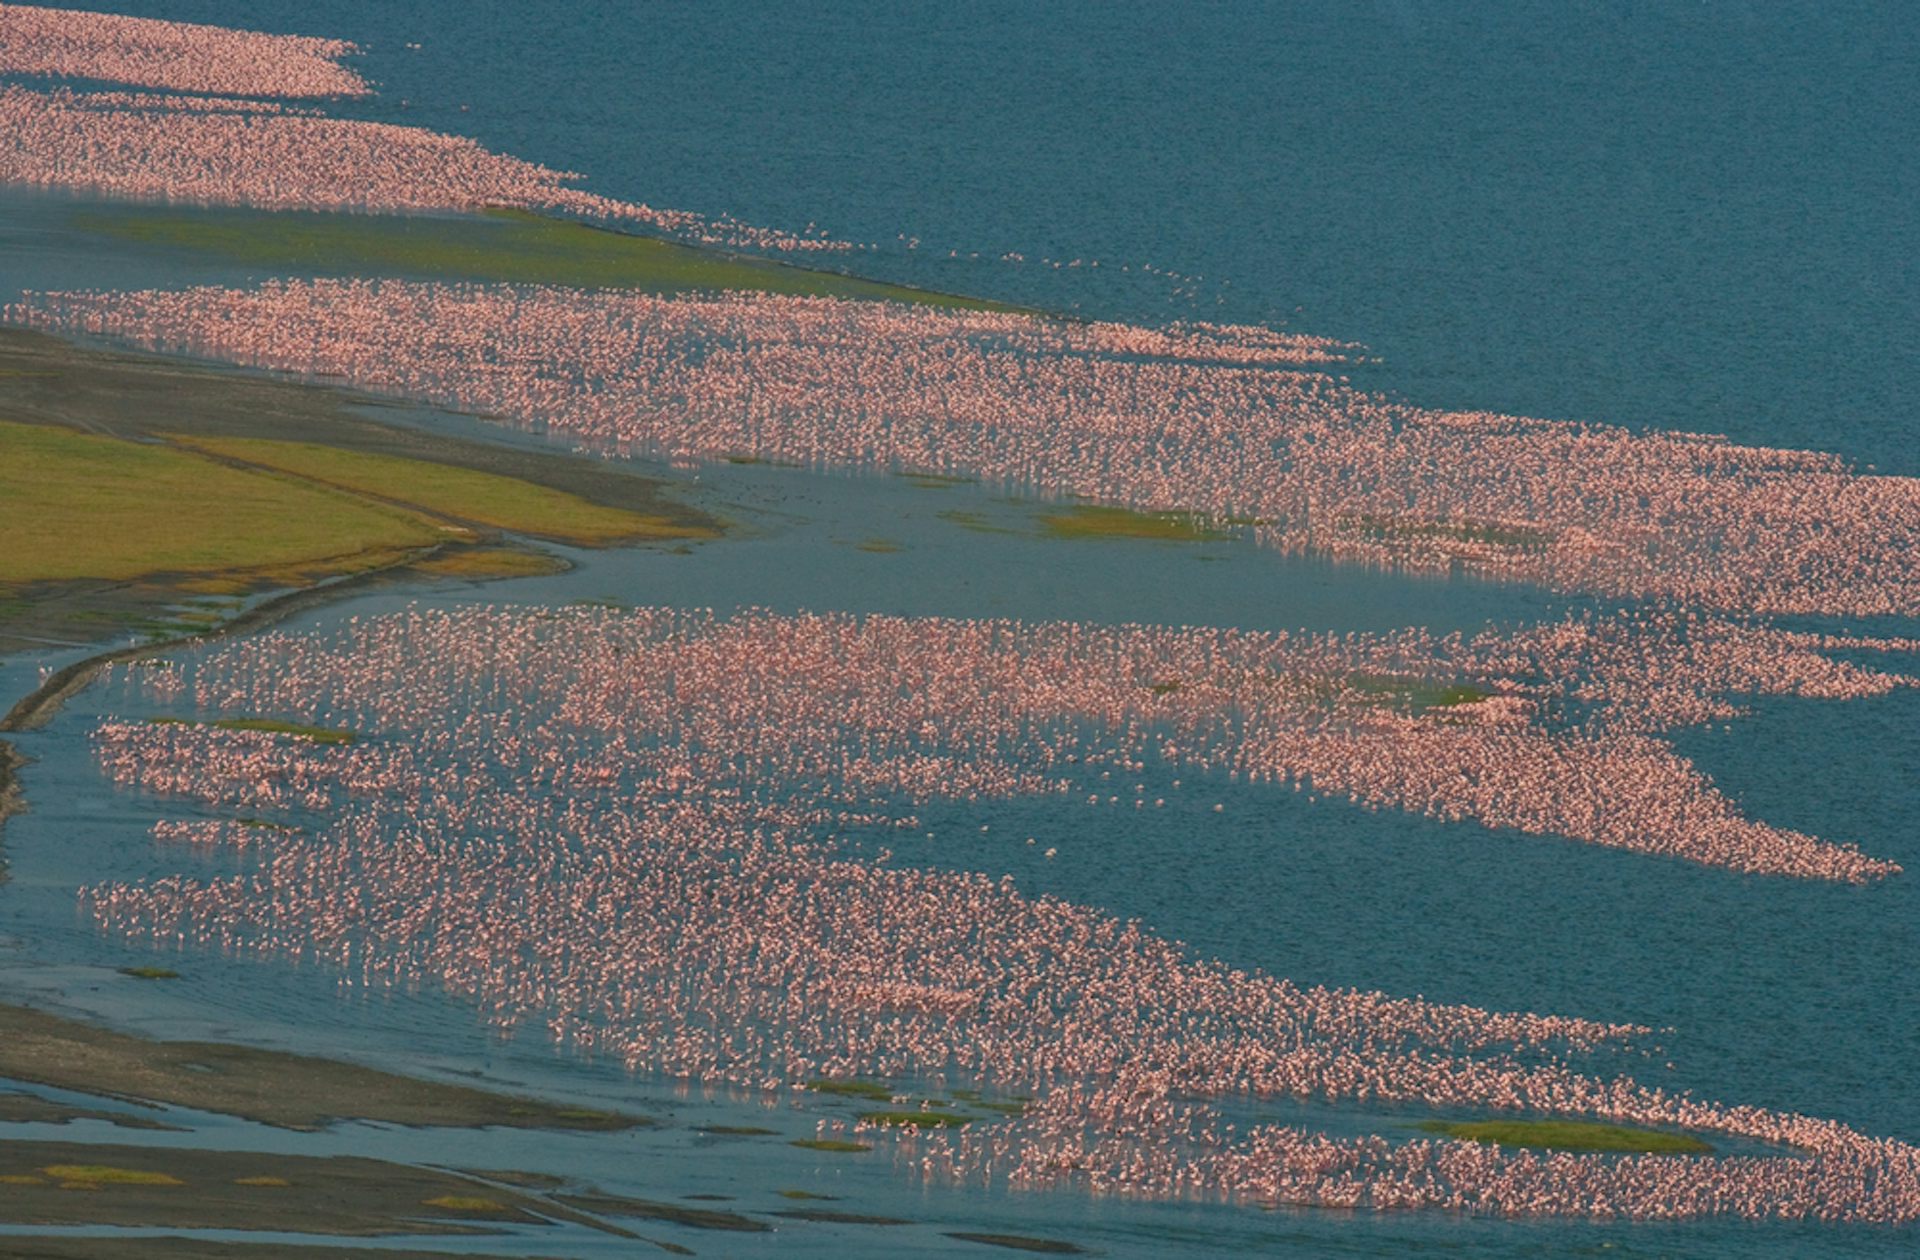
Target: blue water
1697,217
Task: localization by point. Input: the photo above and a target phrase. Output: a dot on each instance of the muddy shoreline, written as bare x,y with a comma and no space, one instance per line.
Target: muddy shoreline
273,1087
40,705
133,394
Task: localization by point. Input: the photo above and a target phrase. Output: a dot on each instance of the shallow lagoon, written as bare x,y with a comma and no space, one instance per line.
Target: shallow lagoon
1767,1001
1784,994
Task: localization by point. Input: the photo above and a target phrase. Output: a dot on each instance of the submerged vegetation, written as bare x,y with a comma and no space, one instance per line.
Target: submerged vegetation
1094,521
1021,1242
1098,521
499,245
876,1091
1569,1135
918,1119
316,734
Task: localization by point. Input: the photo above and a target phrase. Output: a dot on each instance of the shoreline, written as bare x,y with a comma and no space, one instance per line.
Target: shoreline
278,1088
72,386
40,705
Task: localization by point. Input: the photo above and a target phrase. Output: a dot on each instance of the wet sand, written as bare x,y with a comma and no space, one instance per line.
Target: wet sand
18,1247
269,1086
75,1183
33,1109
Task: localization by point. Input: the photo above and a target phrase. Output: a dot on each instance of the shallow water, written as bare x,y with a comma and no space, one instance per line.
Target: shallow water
1785,994
1701,220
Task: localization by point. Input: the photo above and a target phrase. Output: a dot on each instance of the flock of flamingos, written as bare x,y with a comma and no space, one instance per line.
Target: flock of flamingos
628,830
238,143
1226,422
634,831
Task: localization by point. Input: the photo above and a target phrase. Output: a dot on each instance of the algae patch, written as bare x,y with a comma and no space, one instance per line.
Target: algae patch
1569,1135
918,1119
512,246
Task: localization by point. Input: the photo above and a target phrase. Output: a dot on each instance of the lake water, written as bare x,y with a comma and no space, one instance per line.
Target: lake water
1697,218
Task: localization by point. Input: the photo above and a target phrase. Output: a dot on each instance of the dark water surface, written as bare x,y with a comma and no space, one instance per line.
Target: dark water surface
1693,216
1697,217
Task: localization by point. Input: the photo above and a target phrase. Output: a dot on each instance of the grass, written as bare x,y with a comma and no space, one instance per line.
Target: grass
499,245
918,1119
108,1175
462,494
830,1144
1091,521
877,546
272,1183
873,1091
150,973
80,506
83,506
1569,1135
804,1195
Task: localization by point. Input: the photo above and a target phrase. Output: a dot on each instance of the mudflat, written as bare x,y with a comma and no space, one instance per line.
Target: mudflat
29,1248
289,1091
74,1183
